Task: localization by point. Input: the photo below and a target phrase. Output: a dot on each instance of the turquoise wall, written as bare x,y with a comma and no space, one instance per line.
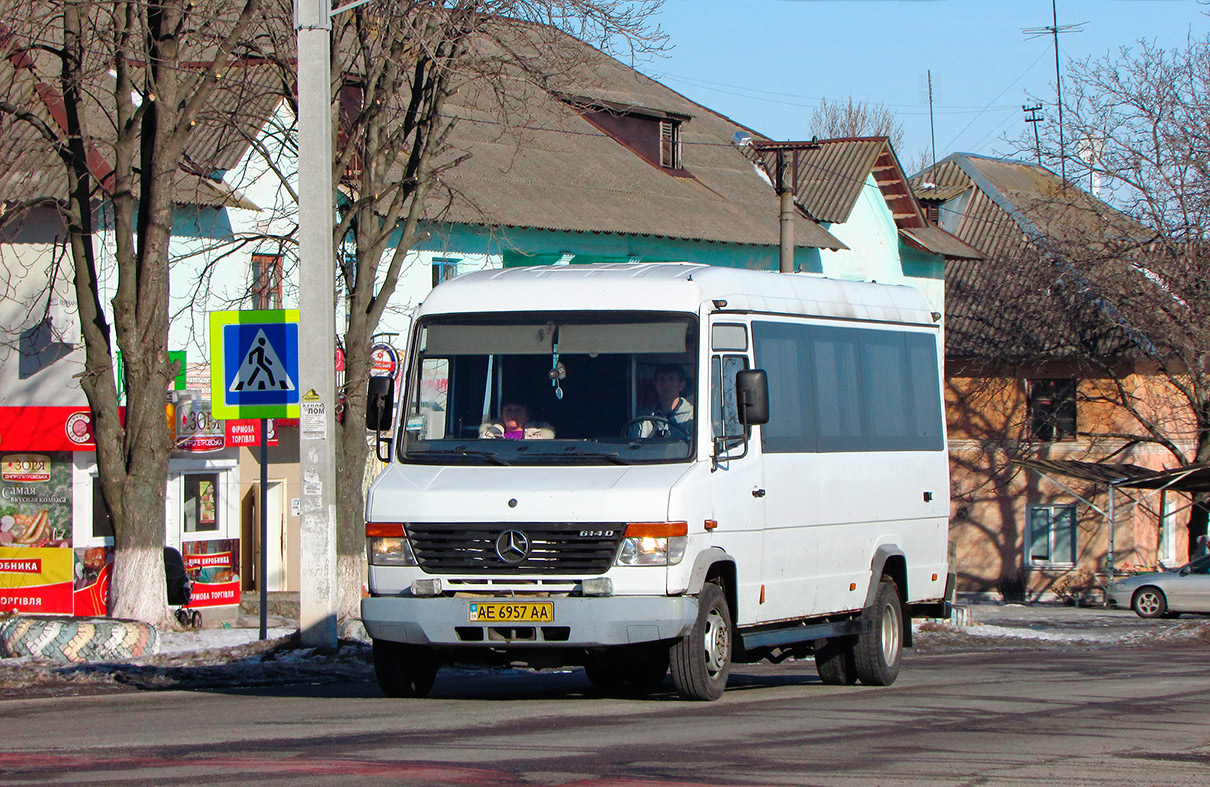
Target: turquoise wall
519,246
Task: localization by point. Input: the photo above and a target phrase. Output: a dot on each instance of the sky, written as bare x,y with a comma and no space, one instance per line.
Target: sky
766,64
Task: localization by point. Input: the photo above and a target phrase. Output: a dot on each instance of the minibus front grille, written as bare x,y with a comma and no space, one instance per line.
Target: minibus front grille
520,548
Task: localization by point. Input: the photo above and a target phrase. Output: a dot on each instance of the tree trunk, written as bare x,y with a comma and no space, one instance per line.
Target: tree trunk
352,454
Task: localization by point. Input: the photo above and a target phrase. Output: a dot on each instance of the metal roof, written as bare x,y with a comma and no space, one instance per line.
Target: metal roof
1192,478
1025,301
830,175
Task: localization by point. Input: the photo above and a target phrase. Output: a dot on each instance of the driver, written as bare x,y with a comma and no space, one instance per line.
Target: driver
672,409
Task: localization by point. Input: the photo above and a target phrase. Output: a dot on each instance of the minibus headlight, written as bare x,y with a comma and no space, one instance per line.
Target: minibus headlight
653,544
391,551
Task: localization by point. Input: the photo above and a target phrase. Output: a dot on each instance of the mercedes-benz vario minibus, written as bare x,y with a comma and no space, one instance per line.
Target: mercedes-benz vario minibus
652,468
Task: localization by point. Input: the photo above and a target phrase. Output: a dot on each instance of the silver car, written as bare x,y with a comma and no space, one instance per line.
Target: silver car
1165,593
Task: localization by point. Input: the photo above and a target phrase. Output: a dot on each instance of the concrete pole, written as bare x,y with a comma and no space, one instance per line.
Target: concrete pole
317,330
785,192
786,252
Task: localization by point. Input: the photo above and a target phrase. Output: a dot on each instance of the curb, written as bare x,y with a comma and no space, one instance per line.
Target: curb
76,640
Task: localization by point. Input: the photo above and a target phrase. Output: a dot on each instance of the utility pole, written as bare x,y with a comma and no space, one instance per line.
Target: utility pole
1032,117
317,332
785,193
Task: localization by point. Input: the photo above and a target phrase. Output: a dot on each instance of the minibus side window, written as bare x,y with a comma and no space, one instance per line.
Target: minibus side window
724,412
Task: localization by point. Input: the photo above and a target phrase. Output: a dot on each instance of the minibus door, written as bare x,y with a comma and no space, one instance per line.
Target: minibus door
738,487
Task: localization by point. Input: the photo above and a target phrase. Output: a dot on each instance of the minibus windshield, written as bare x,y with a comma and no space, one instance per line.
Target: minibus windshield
546,389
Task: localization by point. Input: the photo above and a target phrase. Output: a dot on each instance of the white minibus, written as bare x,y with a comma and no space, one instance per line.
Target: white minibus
650,468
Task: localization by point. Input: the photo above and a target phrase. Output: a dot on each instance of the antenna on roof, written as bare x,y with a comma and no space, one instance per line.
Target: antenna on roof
1053,31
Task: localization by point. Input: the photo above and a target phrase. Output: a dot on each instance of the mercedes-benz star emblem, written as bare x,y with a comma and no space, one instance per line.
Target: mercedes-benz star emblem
512,547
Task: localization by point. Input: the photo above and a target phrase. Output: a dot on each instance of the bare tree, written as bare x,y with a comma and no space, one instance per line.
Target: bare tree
110,93
395,68
1141,120
858,119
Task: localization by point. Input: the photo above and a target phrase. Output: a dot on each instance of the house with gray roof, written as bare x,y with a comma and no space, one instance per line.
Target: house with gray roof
1036,348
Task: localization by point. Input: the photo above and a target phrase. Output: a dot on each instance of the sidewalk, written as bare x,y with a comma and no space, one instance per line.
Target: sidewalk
1074,624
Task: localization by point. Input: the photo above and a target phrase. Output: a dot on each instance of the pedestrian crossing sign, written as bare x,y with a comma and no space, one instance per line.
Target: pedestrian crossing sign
254,364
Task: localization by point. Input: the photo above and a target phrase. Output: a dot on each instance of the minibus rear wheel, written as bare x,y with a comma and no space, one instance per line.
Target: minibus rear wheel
835,661
880,650
404,670
701,660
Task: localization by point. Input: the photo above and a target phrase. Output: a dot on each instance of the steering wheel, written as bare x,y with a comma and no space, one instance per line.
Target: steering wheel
659,423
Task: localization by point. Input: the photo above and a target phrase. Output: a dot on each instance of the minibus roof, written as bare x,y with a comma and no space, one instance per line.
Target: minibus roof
673,287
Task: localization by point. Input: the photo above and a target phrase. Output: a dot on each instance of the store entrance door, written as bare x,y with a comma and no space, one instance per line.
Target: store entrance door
275,568
200,525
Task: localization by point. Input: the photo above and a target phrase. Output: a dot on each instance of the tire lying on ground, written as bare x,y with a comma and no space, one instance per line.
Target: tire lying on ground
77,640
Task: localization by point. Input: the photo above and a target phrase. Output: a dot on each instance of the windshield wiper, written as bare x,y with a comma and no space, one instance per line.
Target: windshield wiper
608,456
491,456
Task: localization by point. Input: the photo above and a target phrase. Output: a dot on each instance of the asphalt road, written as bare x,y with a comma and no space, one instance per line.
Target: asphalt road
1116,716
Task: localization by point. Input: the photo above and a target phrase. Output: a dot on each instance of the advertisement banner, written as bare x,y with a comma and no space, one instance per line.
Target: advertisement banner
94,571
35,579
197,430
35,533
213,569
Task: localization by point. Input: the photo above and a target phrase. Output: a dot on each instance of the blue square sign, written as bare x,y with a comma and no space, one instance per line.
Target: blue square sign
254,364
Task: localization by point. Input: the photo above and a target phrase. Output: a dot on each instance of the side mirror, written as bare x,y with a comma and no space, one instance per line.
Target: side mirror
380,404
752,396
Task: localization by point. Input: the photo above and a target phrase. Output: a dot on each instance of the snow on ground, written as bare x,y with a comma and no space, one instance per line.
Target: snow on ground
211,639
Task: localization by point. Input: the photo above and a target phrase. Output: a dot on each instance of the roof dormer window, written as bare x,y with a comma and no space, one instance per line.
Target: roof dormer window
653,134
670,144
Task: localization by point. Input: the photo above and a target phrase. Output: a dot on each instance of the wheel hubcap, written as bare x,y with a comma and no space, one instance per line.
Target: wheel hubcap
718,642
890,634
1149,603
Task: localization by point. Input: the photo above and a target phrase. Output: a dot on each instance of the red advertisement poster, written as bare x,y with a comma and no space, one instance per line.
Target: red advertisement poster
94,571
36,569
213,568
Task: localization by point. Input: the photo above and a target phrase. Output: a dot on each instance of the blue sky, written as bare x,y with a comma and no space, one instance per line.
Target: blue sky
767,63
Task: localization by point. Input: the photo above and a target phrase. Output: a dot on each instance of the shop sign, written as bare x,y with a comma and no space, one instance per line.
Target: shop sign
197,430
246,432
213,572
47,429
25,468
383,360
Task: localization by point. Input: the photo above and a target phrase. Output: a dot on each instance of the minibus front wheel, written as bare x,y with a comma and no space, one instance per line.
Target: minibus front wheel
701,660
404,670
880,649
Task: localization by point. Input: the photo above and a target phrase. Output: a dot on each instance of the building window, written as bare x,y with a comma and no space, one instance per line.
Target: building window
1052,410
1052,535
670,144
444,269
201,503
266,281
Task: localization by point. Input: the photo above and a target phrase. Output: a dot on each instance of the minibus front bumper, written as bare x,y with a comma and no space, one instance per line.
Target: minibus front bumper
573,622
